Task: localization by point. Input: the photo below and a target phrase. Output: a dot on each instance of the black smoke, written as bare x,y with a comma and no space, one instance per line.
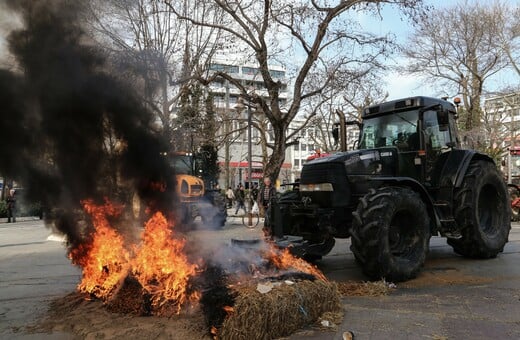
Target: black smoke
59,109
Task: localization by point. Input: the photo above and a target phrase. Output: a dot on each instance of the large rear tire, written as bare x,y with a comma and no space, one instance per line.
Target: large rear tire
391,234
482,211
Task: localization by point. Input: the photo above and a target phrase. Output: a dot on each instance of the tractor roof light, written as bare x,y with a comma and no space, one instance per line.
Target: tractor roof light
456,101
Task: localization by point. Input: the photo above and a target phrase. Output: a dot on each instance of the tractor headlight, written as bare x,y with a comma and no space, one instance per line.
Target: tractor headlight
316,187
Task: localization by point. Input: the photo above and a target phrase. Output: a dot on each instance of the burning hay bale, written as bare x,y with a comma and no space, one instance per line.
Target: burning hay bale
286,308
260,293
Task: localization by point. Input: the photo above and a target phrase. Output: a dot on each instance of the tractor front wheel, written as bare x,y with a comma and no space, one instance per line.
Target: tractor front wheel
391,234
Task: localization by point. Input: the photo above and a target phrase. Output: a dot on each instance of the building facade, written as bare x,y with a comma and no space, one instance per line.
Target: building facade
234,155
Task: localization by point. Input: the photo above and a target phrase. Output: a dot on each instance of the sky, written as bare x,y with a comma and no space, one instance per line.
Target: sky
399,85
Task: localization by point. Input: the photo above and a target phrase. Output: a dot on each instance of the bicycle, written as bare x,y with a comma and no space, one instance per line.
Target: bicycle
255,220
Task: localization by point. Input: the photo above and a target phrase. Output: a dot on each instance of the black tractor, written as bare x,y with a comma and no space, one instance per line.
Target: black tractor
408,180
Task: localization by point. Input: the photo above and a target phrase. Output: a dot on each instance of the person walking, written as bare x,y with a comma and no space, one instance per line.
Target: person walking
267,192
254,193
230,196
11,206
240,197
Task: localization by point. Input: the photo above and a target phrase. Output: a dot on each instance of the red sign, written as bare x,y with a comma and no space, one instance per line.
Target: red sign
257,175
515,151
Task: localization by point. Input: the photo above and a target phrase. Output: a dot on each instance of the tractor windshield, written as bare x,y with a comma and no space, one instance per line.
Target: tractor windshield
183,164
393,129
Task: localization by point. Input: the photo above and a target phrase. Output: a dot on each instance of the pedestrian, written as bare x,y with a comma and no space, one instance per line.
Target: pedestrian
254,194
240,197
230,196
266,193
11,206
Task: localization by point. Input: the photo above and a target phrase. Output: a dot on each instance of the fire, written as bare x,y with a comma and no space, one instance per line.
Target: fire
158,262
228,309
158,186
160,265
285,260
105,260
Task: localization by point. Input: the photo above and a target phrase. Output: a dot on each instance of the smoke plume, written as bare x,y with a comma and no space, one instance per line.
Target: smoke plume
69,130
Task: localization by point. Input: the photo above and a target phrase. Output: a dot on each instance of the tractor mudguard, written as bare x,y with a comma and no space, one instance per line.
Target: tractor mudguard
417,187
451,171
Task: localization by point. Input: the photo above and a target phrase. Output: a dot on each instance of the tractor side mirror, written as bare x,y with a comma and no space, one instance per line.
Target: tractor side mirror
443,119
442,116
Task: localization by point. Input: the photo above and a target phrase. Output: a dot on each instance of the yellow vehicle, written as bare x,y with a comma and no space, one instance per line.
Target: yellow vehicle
195,199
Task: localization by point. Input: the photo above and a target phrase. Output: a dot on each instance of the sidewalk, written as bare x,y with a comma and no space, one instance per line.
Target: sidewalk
21,219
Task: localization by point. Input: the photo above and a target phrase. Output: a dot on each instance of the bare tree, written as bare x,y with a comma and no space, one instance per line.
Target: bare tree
161,53
509,38
347,99
320,31
457,47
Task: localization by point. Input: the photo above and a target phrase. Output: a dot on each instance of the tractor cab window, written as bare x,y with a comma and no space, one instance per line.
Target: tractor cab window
436,138
397,129
183,164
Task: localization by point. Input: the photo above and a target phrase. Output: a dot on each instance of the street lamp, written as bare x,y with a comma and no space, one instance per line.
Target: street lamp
240,105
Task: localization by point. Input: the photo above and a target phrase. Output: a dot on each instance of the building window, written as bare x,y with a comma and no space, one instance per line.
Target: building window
249,70
296,162
296,147
277,74
304,147
223,68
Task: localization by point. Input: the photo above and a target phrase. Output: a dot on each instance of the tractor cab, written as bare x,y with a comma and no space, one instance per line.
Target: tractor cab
421,129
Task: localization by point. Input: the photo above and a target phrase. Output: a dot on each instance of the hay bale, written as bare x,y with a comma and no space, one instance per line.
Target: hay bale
280,312
130,299
374,289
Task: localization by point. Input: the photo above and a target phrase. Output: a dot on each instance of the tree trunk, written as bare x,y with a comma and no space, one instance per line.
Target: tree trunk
274,165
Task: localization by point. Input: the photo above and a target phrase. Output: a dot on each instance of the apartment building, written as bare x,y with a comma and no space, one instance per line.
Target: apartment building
305,144
502,115
226,97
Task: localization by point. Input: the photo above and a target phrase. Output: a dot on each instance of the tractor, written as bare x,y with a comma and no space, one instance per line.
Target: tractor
408,179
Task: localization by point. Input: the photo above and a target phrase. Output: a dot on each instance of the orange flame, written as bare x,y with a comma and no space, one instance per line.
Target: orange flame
158,186
214,332
285,260
228,309
160,265
105,263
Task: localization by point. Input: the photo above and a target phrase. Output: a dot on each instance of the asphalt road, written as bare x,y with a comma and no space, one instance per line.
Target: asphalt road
453,297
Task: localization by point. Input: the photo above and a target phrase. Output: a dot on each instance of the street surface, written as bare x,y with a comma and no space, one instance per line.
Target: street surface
453,297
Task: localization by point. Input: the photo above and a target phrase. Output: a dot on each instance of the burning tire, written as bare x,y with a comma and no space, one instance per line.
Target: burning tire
391,233
482,212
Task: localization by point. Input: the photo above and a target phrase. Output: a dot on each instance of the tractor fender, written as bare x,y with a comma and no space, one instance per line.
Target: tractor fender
450,172
468,156
417,187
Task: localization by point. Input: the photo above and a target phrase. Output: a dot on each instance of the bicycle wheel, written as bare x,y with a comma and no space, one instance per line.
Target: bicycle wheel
255,219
